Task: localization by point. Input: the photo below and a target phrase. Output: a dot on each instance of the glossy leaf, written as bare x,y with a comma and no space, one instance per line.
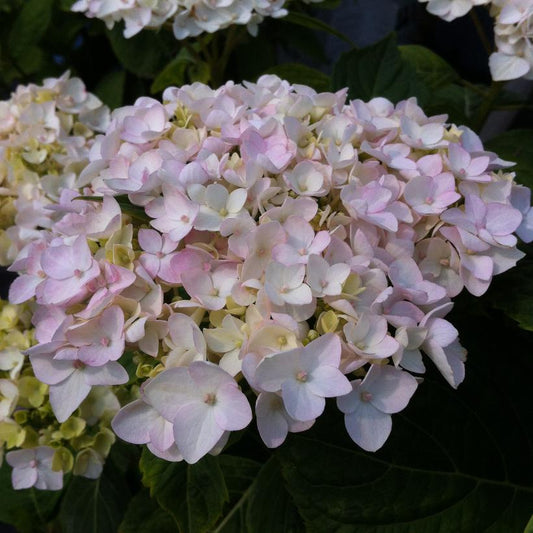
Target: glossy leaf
378,70
193,494
144,515
515,145
110,88
95,505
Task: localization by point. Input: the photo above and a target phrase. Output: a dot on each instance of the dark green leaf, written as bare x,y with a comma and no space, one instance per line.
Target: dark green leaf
515,145
110,88
456,462
458,102
144,515
430,67
378,70
25,508
271,507
307,21
193,494
529,527
174,72
30,26
302,74
145,54
95,505
516,304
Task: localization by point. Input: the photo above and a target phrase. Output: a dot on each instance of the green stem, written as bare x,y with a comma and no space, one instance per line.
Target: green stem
487,105
481,32
235,508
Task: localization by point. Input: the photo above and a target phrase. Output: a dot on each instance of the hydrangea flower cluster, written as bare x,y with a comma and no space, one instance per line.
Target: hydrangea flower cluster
513,20
264,241
42,449
45,135
189,18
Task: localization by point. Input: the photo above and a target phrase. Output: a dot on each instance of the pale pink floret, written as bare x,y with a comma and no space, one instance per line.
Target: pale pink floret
32,467
174,214
367,408
301,242
325,279
466,167
305,377
431,195
203,402
101,339
494,223
407,278
147,121
158,254
185,341
369,338
71,381
285,284
68,267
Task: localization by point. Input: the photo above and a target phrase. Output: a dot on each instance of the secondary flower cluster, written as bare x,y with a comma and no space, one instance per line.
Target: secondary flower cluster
264,241
45,135
47,449
189,18
513,23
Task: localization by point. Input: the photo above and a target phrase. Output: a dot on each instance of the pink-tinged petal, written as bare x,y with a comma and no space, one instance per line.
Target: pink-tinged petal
442,332
350,402
505,67
300,402
390,388
195,430
326,350
23,288
23,478
50,370
274,369
328,382
368,427
502,219
232,410
161,433
171,454
67,396
298,296
169,390
110,374
209,377
132,423
271,421
150,240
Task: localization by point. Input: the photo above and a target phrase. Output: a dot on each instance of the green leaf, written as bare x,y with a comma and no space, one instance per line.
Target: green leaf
271,507
458,102
145,54
529,527
25,508
457,461
307,21
378,70
174,72
144,515
430,67
515,145
110,88
193,494
95,505
516,304
30,26
302,74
